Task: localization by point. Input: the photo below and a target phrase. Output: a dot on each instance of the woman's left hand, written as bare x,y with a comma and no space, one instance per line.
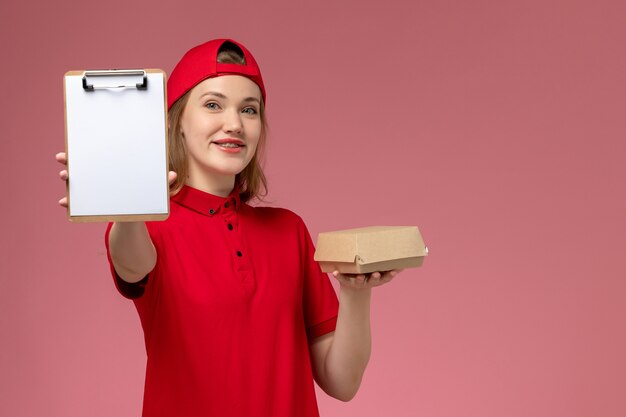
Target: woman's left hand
365,280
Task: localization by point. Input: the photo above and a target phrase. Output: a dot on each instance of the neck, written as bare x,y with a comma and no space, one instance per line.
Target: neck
216,184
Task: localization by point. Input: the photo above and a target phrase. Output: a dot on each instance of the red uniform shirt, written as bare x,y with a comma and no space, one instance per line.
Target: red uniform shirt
229,310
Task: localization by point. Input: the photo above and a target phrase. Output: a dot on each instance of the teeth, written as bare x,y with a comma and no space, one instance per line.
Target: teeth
228,145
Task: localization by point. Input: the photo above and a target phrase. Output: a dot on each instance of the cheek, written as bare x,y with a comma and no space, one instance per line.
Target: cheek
194,123
254,131
195,133
253,149
255,143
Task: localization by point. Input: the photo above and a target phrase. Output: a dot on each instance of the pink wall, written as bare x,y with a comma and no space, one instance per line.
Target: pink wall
498,127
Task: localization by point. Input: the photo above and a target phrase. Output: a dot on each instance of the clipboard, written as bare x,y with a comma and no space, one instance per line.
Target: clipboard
116,145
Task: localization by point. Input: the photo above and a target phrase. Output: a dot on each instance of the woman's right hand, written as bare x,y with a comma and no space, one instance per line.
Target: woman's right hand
61,157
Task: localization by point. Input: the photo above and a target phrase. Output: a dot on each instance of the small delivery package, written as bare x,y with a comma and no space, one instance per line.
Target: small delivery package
369,249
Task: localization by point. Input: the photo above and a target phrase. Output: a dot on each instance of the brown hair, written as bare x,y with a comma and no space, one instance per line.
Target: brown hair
251,181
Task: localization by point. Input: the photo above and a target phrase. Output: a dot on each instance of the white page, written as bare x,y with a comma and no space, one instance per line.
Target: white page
116,147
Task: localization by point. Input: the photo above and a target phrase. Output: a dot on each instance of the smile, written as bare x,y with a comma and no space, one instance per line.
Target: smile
230,147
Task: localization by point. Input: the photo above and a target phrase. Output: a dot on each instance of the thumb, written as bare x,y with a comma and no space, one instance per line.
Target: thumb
171,177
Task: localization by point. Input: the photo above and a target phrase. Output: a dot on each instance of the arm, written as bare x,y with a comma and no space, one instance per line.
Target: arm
340,358
132,251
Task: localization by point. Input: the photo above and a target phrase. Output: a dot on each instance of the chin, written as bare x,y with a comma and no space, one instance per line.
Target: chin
228,169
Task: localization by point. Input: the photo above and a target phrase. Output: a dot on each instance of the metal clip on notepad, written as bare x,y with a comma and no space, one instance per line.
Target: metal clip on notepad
115,73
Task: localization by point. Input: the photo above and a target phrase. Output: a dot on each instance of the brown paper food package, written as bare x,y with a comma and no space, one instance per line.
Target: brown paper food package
369,249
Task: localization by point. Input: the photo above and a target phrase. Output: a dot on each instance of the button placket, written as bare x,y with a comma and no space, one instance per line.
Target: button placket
240,258
230,221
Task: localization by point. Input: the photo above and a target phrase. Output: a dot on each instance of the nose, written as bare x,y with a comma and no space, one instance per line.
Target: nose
232,121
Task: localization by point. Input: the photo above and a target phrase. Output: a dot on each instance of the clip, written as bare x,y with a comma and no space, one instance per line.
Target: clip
102,73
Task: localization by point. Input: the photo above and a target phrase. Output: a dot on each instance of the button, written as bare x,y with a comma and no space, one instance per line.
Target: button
230,226
226,204
239,254
211,211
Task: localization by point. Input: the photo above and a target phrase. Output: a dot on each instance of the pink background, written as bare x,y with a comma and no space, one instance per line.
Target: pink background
497,127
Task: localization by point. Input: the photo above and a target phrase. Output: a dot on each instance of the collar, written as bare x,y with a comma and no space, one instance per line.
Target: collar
207,204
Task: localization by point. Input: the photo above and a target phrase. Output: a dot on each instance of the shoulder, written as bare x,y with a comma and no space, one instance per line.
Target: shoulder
277,214
279,221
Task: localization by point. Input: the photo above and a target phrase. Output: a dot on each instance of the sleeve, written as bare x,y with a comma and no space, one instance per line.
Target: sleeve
320,302
127,289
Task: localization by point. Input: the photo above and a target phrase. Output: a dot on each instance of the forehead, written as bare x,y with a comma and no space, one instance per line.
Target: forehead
232,86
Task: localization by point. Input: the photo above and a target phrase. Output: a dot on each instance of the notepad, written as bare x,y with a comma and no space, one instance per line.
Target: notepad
116,144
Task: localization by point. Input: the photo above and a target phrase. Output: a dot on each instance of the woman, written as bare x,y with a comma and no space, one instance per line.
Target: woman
237,316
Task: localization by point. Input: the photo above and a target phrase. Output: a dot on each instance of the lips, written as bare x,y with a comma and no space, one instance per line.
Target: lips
231,141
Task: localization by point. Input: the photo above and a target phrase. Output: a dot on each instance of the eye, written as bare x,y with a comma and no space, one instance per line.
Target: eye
250,110
211,105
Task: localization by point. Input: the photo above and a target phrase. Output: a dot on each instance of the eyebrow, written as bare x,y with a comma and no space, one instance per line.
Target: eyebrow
220,95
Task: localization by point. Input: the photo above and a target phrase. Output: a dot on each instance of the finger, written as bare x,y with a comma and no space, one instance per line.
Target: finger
375,278
63,202
360,280
387,276
343,279
339,276
63,175
171,176
61,157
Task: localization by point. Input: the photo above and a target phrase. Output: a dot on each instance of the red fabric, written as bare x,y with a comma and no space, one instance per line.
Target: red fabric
200,63
228,335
